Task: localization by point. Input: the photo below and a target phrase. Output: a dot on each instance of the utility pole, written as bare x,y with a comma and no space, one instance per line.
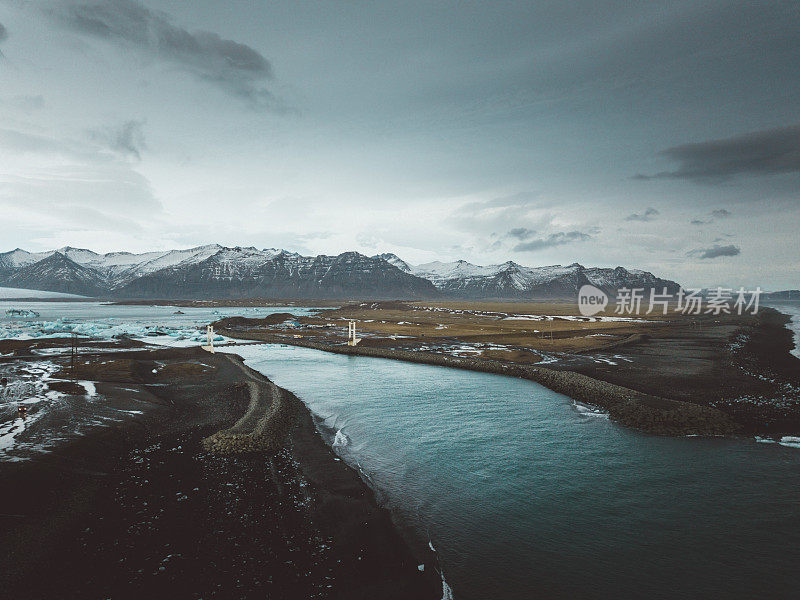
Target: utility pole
73,348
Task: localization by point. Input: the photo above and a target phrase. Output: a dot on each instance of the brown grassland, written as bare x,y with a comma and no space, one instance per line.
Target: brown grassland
560,328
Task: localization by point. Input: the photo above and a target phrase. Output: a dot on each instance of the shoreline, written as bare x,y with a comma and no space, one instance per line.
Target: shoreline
629,407
716,377
142,508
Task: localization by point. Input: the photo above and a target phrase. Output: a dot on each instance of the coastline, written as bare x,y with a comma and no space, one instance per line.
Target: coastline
142,508
629,407
722,378
710,376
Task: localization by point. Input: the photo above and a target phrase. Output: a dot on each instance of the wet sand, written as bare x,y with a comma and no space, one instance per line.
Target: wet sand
140,508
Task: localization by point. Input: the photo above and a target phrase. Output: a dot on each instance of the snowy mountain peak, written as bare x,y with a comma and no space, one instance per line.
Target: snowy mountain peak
394,260
213,270
512,280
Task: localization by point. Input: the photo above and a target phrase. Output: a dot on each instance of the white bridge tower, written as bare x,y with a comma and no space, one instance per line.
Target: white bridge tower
352,340
210,339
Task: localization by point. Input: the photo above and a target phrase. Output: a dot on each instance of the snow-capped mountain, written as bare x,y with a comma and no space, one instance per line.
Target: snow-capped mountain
211,271
115,268
57,273
395,260
215,271
247,272
511,280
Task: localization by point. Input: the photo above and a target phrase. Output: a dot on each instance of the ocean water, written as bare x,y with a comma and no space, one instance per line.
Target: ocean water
526,495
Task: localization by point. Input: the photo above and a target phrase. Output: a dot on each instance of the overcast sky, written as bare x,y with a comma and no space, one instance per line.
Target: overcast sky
660,135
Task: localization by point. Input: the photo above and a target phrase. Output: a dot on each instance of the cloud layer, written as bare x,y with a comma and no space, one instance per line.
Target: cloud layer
648,215
716,251
554,239
236,68
500,131
126,139
521,233
767,152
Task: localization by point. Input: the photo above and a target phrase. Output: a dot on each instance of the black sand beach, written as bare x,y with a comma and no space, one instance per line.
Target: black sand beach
142,509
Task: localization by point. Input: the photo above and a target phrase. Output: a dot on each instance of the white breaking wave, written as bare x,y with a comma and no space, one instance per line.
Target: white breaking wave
790,441
588,411
447,592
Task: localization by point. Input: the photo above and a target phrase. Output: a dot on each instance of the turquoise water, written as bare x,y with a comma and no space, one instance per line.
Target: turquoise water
525,495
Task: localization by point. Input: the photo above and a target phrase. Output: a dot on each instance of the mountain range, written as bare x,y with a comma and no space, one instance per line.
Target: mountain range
215,271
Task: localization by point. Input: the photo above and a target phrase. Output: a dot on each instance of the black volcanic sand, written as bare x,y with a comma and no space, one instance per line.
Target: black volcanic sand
744,369
139,510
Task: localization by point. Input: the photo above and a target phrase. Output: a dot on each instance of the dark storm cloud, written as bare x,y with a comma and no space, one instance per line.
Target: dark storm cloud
521,233
647,215
767,152
554,239
127,139
236,68
716,251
